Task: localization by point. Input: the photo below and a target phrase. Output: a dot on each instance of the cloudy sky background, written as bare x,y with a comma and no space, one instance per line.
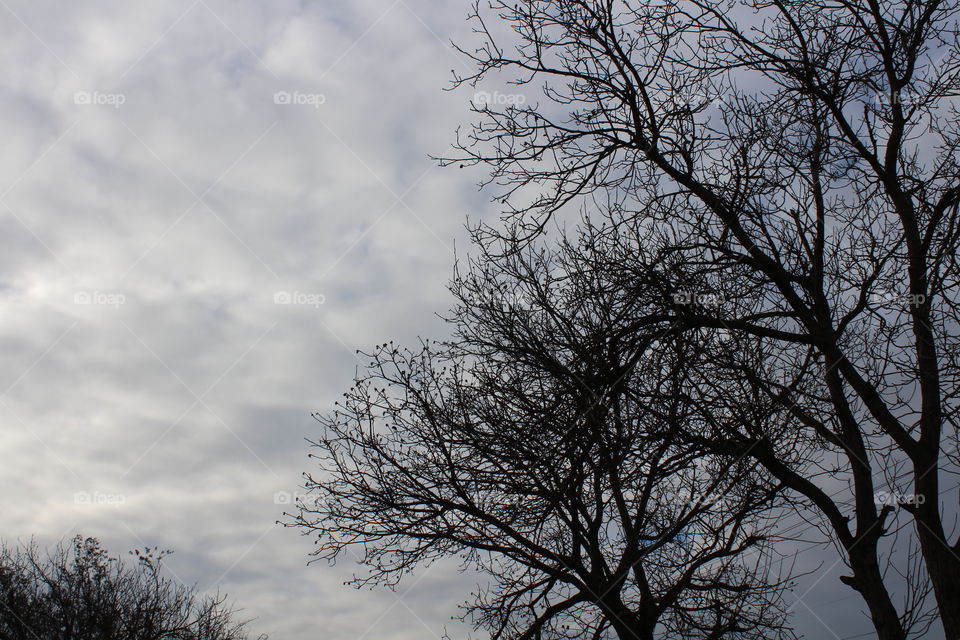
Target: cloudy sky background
156,202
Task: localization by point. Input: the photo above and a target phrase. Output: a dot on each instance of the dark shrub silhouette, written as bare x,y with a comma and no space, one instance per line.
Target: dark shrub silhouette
80,592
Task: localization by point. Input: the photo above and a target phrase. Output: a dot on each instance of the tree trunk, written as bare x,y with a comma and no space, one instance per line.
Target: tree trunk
868,581
627,624
942,562
944,569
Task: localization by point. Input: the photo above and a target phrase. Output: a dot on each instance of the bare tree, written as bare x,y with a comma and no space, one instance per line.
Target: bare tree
80,592
802,157
537,447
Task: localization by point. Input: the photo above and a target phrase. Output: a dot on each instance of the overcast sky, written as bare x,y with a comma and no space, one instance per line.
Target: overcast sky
205,207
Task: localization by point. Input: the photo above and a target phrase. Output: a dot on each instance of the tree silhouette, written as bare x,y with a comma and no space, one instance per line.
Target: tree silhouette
541,445
80,592
799,159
